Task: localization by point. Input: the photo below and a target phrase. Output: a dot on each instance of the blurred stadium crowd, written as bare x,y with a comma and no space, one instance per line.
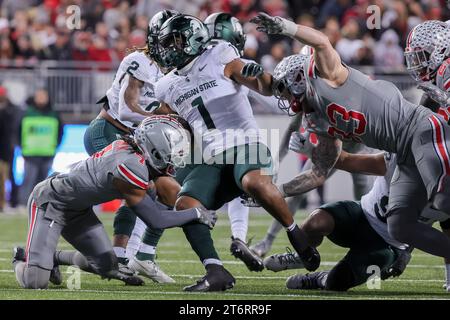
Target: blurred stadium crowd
33,30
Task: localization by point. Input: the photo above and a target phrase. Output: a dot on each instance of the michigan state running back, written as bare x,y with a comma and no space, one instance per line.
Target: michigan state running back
205,89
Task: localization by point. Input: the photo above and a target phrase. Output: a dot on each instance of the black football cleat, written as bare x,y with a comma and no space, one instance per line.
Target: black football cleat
18,254
55,276
310,258
310,281
240,250
217,278
130,280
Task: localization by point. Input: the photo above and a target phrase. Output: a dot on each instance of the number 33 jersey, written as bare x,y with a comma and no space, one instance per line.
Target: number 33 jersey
216,107
138,65
372,112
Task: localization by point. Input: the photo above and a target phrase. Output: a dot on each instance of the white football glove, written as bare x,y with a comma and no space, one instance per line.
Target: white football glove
300,143
274,25
438,95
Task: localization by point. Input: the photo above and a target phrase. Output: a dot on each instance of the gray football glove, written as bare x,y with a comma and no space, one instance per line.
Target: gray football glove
274,25
252,70
300,143
208,217
248,201
438,95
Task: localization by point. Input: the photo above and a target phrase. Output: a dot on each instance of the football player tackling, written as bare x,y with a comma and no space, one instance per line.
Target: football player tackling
341,102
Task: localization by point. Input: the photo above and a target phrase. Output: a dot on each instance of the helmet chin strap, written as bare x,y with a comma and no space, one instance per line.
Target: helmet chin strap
296,104
183,70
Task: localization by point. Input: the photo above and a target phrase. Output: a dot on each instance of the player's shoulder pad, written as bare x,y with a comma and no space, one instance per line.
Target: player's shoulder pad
165,85
133,169
140,66
225,52
443,76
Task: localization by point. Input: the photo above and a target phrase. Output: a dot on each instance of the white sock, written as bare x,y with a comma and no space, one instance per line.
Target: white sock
212,261
238,215
135,239
145,248
447,274
120,252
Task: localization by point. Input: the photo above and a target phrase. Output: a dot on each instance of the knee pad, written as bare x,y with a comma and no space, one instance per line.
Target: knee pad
124,221
35,277
340,278
441,202
103,264
398,221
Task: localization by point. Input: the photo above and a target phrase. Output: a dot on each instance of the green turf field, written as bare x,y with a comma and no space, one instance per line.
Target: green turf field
422,280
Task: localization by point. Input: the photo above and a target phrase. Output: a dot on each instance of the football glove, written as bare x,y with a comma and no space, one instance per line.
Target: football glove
300,143
399,265
438,95
274,25
252,70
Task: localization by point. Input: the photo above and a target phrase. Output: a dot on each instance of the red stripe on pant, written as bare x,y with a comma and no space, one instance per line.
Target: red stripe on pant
441,148
33,215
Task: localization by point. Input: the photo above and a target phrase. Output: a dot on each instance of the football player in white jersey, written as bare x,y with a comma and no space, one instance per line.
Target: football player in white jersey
130,99
206,89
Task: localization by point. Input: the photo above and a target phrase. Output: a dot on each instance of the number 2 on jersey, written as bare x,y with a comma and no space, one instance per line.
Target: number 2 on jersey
198,103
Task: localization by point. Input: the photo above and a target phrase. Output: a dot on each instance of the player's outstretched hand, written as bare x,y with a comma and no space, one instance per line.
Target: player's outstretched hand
300,143
399,265
252,69
208,217
438,95
268,24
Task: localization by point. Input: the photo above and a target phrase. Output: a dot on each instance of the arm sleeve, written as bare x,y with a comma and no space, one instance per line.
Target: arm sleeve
125,113
149,212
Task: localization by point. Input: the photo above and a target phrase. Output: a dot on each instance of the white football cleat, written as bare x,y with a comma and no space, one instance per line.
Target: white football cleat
283,261
149,269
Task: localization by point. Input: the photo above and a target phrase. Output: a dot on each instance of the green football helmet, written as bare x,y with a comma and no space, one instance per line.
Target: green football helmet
180,39
226,27
153,30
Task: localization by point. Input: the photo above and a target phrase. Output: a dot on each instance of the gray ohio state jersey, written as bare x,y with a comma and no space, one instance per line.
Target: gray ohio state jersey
372,112
90,182
443,76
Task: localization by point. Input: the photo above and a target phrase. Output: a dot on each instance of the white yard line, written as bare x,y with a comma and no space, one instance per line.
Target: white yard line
232,294
195,276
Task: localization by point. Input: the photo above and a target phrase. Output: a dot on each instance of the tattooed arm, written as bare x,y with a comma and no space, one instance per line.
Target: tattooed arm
294,126
323,158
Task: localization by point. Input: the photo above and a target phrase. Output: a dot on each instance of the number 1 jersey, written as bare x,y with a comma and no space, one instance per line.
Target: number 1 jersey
216,107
